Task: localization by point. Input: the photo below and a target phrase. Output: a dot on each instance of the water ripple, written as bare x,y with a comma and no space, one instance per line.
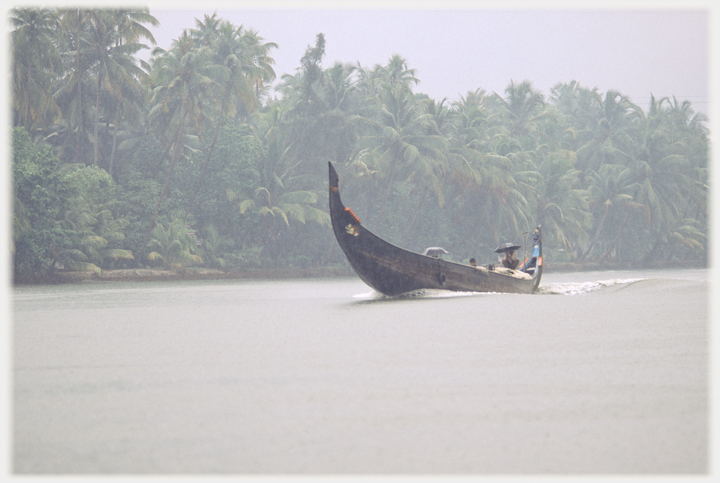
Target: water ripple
578,288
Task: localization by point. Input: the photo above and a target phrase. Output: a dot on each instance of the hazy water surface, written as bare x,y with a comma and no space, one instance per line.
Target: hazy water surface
603,372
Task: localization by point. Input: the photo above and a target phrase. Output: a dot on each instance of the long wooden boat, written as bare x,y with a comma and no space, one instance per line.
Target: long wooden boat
392,270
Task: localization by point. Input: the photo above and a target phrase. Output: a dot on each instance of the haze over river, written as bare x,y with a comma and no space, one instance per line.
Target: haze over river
600,373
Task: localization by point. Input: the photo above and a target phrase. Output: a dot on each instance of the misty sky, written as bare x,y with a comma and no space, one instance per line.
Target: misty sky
665,52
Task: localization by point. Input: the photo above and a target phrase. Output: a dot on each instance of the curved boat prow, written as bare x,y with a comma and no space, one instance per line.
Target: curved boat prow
334,178
392,270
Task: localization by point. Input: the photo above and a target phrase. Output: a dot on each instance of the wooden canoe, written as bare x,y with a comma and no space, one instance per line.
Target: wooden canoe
392,270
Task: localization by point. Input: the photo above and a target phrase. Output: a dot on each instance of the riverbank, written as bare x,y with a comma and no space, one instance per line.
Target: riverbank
197,273
190,273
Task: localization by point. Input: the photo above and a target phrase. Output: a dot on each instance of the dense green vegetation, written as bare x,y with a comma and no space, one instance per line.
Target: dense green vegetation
188,160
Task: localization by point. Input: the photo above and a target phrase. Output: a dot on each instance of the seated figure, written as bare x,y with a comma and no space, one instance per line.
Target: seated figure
508,259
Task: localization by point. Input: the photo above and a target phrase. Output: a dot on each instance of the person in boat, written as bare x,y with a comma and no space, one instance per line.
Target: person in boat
508,258
531,263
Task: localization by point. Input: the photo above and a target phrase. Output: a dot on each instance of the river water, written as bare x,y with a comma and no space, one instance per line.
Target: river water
601,373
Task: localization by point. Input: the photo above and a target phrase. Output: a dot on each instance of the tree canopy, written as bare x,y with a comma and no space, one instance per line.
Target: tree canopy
190,159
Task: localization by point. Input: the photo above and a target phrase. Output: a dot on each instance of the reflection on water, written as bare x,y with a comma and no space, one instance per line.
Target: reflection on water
327,376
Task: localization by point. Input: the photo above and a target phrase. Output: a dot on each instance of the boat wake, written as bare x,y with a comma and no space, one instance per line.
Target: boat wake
579,288
566,288
424,293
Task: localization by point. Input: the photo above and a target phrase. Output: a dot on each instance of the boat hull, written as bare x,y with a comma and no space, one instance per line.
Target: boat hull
392,270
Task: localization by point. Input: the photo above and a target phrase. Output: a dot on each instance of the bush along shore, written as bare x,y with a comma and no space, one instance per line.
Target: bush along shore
337,271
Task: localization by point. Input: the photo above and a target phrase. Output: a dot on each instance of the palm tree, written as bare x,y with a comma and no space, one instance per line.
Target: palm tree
172,246
468,139
73,88
280,199
610,197
130,97
96,231
178,83
616,128
213,243
683,240
206,31
340,86
603,134
36,60
499,203
395,72
302,89
179,79
580,109
285,205
321,116
114,66
499,149
561,205
578,105
524,108
277,207
236,74
399,147
665,181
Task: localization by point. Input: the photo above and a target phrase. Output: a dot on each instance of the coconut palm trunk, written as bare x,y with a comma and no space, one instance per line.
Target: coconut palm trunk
114,142
176,155
597,232
207,162
617,238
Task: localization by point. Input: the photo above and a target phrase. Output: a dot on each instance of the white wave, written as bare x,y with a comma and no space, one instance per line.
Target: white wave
566,288
578,288
431,293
